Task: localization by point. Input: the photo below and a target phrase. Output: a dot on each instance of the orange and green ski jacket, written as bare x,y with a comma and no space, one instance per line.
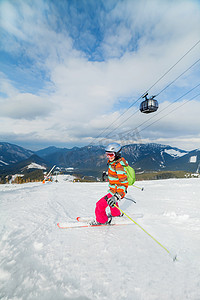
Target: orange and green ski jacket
117,177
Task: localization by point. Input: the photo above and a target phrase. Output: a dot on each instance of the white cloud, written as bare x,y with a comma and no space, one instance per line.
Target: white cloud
24,106
6,86
140,41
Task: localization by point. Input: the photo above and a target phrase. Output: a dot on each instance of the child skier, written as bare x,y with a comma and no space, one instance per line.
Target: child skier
118,184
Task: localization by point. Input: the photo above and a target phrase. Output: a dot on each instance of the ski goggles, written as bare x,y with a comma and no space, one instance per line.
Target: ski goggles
110,154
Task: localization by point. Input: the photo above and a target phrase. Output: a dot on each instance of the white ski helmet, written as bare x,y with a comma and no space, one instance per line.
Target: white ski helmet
113,147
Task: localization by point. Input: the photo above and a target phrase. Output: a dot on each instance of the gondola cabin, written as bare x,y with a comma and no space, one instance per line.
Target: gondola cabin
148,105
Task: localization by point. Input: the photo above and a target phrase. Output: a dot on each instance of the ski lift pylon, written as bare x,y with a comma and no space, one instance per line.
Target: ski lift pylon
149,105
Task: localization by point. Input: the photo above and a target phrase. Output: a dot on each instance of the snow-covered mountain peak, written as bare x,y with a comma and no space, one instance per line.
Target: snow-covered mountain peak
175,153
35,166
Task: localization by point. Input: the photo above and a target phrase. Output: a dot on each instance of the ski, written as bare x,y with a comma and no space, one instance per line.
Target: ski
83,222
75,225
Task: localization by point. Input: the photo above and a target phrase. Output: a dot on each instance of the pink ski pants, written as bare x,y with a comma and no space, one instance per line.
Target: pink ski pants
100,210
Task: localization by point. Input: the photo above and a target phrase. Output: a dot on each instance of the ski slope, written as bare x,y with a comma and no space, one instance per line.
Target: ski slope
40,261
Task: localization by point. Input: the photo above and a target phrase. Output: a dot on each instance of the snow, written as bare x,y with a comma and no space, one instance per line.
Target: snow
14,177
35,166
174,152
65,177
40,261
3,163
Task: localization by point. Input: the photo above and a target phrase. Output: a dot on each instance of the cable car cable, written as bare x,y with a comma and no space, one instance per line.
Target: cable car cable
170,105
174,65
154,115
148,106
178,77
137,111
116,119
170,112
164,109
148,91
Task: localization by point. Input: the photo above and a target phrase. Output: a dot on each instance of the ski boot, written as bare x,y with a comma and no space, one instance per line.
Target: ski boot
95,223
121,215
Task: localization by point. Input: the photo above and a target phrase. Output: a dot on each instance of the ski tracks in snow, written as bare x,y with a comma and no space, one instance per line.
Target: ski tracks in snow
39,261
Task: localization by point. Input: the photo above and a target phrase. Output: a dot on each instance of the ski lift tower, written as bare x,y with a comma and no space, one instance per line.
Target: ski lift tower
57,172
194,159
197,171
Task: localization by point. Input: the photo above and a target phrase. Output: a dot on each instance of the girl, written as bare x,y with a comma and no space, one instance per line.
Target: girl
118,185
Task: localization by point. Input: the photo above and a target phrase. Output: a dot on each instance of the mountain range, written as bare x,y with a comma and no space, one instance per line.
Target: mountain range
10,154
91,160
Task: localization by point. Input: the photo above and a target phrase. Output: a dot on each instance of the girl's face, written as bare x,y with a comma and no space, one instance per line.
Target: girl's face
110,155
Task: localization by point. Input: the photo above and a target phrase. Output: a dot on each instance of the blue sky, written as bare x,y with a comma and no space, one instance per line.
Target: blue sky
70,69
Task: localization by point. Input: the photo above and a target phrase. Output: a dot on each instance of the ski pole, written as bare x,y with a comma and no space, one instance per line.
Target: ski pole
142,189
130,199
174,257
